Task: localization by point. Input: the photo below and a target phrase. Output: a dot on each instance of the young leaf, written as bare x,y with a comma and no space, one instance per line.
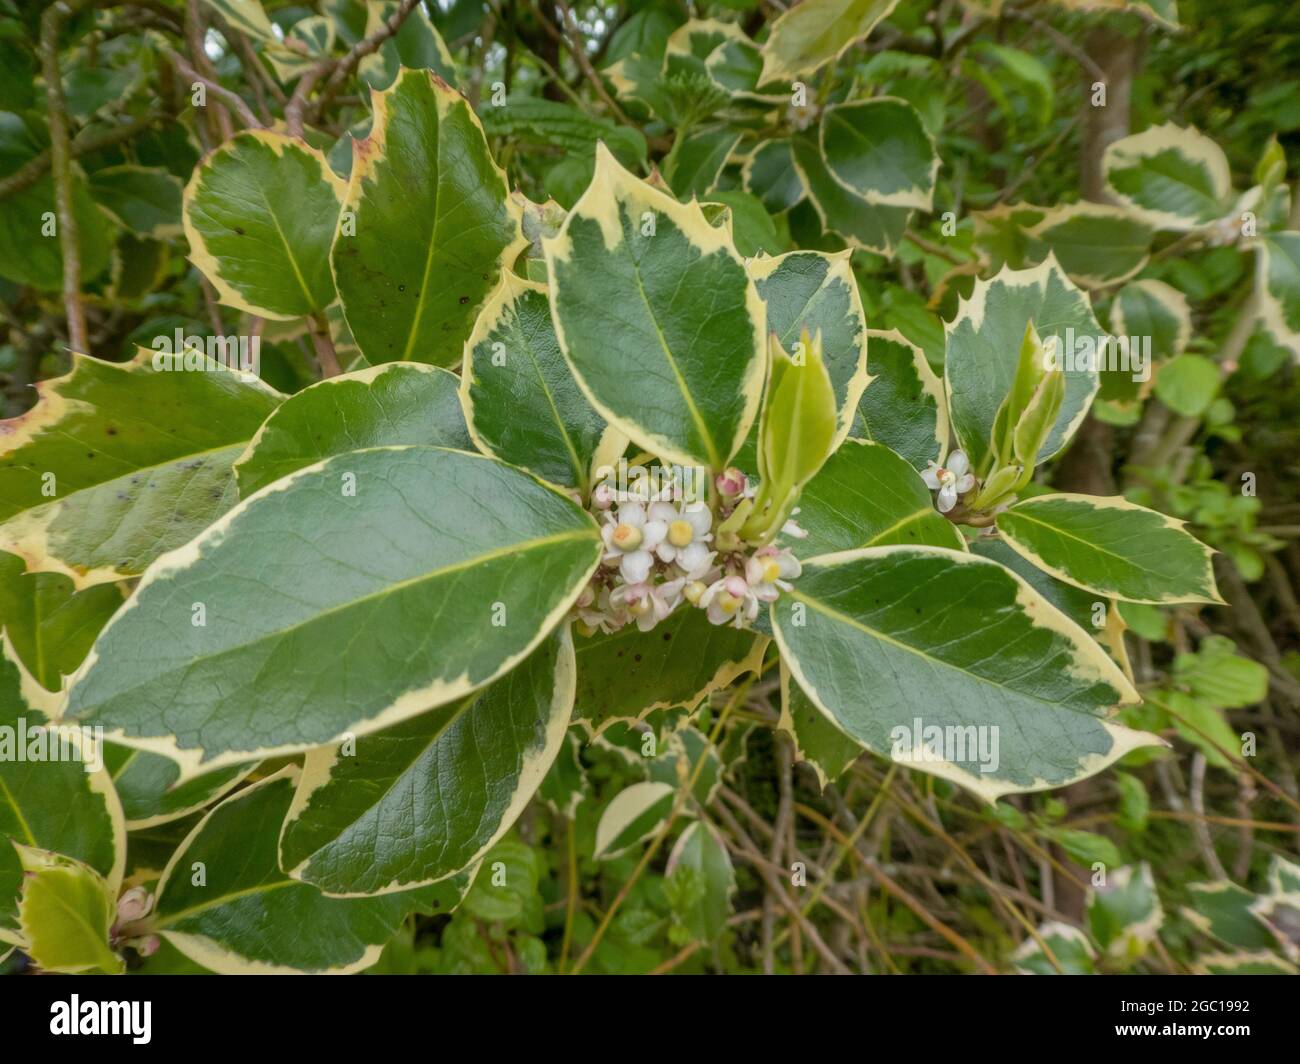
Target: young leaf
867,496
65,913
983,353
456,565
903,406
797,432
660,323
1169,177
426,799
886,630
520,399
434,225
1112,547
260,212
119,463
386,405
817,292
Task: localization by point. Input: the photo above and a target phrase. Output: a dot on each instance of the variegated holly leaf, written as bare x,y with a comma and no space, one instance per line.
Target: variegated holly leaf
118,463
770,174
1253,962
1283,875
868,496
1170,177
1070,947
1124,914
394,403
1079,605
426,799
983,352
626,675
880,150
950,664
144,199
245,916
632,816
260,213
813,292
49,624
817,739
56,796
1221,909
64,914
1095,244
815,32
700,882
565,784
659,321
455,564
687,750
28,254
147,786
1111,547
904,406
1154,319
417,45
520,399
697,159
1277,266
872,227
434,225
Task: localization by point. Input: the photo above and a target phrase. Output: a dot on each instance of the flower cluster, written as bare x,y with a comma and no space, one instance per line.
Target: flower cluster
665,550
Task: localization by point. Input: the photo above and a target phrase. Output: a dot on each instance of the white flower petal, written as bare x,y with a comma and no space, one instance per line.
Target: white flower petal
635,567
958,463
965,483
947,498
931,477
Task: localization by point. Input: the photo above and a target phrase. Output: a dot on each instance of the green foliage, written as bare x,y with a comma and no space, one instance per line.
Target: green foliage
646,487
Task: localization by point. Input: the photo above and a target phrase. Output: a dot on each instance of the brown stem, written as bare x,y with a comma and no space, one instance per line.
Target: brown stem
61,164
321,340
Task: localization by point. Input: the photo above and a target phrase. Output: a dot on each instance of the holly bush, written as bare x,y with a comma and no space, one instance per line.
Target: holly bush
648,487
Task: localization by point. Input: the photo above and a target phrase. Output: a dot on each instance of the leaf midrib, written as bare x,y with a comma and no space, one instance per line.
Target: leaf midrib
853,622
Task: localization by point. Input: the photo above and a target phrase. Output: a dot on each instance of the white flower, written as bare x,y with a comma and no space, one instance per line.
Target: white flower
951,481
730,601
769,571
646,604
688,532
629,540
133,905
